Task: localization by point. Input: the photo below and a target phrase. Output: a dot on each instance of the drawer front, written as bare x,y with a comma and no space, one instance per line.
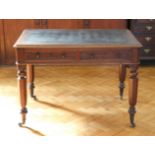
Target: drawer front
143,28
147,52
109,55
50,55
78,56
146,39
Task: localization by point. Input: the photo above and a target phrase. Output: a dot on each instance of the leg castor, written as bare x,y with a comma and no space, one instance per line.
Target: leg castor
23,113
132,112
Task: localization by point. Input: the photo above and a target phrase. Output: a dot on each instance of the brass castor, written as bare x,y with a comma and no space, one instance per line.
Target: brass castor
132,111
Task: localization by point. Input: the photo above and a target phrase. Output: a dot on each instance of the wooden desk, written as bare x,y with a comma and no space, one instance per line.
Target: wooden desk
77,47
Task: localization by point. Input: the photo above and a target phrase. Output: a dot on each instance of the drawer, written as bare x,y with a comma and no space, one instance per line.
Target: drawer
77,56
145,28
50,55
146,39
147,51
142,21
106,55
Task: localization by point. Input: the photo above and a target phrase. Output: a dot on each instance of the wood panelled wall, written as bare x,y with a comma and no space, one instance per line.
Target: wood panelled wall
1,43
10,30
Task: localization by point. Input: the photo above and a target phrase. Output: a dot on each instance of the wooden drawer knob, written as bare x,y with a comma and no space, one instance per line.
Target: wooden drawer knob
147,50
63,55
149,28
37,55
148,39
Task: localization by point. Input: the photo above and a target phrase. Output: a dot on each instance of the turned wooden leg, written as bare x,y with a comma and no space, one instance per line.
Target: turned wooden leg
30,79
133,89
122,76
22,91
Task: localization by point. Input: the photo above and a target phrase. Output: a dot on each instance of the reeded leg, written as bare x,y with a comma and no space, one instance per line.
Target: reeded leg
133,88
22,91
122,76
30,79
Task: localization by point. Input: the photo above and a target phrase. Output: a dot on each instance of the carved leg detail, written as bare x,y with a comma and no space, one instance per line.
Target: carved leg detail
122,76
22,91
30,77
133,88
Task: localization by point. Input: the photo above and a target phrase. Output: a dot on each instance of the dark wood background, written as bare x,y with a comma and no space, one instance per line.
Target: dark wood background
10,30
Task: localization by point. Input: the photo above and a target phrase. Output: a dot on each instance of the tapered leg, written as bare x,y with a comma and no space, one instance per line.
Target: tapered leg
30,79
22,91
122,76
133,89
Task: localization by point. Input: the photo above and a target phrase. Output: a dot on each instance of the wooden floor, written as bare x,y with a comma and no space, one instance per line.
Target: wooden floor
77,101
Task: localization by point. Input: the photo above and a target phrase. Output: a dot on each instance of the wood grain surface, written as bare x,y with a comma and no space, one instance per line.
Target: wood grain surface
77,101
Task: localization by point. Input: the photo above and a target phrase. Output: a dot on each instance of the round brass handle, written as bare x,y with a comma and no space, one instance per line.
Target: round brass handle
37,55
148,39
147,50
149,28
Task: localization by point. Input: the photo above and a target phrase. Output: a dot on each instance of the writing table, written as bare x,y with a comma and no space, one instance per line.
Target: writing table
77,47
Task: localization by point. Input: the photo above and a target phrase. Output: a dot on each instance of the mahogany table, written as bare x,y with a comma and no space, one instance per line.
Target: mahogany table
77,47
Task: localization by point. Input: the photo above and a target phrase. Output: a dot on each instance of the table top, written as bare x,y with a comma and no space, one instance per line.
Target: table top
53,38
